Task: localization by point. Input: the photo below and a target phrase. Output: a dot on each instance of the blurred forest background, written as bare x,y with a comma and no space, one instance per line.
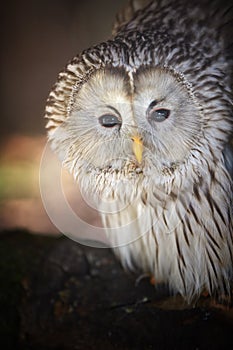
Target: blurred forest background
39,37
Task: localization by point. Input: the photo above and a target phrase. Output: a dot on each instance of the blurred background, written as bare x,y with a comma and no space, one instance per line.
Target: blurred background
56,294
38,38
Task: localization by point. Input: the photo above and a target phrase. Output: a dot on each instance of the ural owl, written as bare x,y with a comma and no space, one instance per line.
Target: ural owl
144,123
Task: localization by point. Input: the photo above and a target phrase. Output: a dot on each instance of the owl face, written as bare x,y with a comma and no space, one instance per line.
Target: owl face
144,121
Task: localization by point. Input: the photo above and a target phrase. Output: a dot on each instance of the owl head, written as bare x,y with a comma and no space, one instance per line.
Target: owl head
120,112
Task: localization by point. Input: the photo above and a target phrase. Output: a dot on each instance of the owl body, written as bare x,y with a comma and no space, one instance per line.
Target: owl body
144,123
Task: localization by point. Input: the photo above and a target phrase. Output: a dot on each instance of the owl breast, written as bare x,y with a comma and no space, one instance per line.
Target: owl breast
176,232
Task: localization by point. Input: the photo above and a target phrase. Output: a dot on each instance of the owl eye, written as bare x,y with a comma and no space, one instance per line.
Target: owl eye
159,115
109,120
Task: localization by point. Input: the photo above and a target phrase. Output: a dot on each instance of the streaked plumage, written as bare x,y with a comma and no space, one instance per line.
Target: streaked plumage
160,90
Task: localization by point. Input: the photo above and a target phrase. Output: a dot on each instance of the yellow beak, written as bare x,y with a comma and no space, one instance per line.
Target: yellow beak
137,148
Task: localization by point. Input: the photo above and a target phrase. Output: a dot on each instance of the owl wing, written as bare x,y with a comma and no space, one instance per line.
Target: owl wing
228,157
227,32
127,14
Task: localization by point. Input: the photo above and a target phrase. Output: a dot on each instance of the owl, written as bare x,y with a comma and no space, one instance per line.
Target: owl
144,123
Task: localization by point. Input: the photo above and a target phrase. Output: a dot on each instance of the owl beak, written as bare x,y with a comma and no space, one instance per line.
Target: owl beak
137,147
